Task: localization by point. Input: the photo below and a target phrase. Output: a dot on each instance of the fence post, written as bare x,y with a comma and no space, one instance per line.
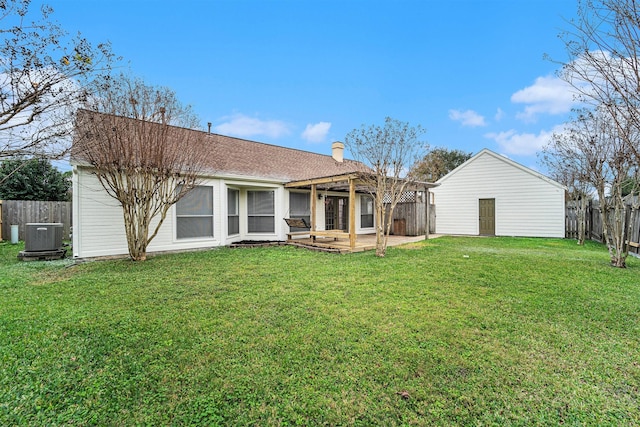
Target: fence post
427,202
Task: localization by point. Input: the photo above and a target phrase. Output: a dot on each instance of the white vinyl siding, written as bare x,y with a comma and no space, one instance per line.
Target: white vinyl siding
98,228
526,203
98,224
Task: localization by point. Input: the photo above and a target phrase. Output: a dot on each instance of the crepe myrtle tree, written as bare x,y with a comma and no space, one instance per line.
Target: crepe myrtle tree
566,168
388,154
570,173
139,142
44,75
603,68
592,149
603,65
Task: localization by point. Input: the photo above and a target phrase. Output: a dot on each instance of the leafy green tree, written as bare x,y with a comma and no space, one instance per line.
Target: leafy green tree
630,186
32,179
440,161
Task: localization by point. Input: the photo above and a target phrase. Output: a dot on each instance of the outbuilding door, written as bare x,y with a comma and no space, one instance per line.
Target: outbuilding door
487,209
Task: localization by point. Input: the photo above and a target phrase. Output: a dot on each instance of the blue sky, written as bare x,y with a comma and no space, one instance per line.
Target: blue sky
303,73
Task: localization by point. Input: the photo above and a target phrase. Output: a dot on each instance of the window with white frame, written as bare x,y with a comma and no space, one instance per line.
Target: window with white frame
194,213
366,211
261,211
233,211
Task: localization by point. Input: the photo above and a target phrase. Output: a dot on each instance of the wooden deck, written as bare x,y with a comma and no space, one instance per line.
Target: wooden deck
364,242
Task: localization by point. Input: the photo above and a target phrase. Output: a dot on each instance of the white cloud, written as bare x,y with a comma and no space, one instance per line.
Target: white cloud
317,132
499,115
245,126
548,95
524,144
467,118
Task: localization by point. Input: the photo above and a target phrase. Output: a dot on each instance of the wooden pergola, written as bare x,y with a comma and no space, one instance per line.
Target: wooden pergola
350,181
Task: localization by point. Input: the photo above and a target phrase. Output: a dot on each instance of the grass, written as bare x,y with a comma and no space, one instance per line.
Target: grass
451,331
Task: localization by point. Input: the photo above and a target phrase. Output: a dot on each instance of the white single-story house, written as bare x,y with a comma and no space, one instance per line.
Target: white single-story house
252,189
492,195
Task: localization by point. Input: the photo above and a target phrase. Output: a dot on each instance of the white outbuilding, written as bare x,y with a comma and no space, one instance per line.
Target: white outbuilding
492,195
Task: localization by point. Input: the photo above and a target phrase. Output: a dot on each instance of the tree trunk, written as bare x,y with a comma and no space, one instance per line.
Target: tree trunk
613,234
137,231
619,227
381,247
581,206
633,207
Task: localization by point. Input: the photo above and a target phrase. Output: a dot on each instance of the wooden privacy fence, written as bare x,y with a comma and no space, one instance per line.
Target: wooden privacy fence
409,215
409,219
593,224
21,212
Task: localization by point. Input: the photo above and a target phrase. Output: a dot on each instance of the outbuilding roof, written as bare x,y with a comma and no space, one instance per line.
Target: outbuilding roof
487,152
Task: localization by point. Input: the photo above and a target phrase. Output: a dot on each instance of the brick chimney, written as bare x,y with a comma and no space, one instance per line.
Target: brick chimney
337,151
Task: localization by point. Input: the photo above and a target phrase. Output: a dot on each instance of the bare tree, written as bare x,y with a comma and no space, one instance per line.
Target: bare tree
568,163
390,153
138,142
578,191
603,44
43,78
593,152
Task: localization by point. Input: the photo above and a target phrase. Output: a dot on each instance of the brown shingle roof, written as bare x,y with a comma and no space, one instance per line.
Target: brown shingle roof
227,155
248,158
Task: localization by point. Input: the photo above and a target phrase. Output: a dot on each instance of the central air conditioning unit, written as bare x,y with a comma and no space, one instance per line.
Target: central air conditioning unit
42,237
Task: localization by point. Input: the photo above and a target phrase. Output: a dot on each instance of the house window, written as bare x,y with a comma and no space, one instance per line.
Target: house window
233,211
261,211
366,211
194,213
299,207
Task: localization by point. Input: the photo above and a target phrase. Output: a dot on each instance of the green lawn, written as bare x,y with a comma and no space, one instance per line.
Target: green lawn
453,331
